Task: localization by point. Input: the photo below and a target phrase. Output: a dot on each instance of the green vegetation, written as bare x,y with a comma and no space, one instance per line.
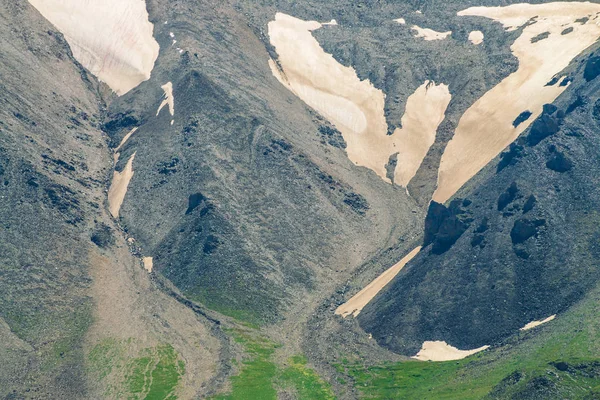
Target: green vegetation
257,373
151,375
308,385
259,376
558,360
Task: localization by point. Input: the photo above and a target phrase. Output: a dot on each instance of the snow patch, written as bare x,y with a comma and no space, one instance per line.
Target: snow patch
486,128
430,34
111,38
442,351
355,305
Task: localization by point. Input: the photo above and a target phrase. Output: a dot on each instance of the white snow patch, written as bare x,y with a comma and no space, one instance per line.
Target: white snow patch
168,99
430,34
486,128
534,324
118,187
401,21
356,107
476,37
355,305
442,351
111,38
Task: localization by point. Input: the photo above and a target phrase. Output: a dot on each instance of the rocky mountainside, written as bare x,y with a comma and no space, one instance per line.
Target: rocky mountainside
189,191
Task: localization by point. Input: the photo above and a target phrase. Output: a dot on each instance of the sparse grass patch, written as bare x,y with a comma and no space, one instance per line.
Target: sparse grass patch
153,374
259,376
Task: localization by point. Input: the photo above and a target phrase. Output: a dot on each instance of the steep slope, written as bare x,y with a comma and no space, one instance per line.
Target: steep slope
77,310
519,248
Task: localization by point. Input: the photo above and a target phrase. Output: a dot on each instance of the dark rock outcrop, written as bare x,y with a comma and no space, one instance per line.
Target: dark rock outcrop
524,229
559,162
592,69
508,196
543,127
444,226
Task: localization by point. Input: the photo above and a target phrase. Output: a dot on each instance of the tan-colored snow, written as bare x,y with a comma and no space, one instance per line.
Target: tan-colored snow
355,305
476,37
111,38
168,99
125,139
533,324
356,107
486,128
401,21
148,263
442,351
430,34
118,187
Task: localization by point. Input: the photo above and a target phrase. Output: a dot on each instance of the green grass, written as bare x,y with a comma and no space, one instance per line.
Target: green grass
306,382
573,337
257,372
153,374
259,376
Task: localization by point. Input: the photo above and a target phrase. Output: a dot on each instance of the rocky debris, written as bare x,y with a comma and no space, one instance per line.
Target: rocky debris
103,236
508,196
592,69
445,225
358,203
559,162
332,136
119,122
168,168
211,244
390,167
525,228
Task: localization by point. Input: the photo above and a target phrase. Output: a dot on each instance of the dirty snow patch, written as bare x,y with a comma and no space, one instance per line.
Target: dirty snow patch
442,351
168,99
148,264
486,128
118,187
111,38
355,106
534,324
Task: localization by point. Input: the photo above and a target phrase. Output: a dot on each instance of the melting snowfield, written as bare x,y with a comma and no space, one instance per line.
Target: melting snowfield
487,127
534,324
356,107
355,305
111,38
118,187
442,351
